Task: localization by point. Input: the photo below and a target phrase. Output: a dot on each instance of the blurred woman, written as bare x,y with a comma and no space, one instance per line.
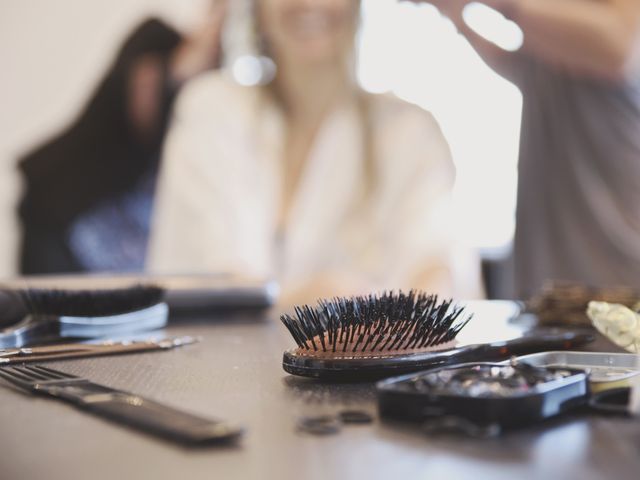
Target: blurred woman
88,191
308,179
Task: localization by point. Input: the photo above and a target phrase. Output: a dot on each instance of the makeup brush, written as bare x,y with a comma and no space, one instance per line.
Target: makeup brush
376,336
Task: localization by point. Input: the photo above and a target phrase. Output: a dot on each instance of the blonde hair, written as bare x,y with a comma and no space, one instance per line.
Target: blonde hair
245,23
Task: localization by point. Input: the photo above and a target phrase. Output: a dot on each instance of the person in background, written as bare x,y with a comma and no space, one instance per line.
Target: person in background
89,191
307,179
578,214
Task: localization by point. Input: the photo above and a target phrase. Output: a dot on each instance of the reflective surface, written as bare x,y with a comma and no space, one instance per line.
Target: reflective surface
235,374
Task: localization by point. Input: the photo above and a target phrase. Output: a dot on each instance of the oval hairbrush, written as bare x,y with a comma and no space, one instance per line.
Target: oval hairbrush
377,336
40,316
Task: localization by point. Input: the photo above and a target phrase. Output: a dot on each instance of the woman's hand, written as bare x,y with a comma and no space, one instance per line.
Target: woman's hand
497,58
200,51
586,37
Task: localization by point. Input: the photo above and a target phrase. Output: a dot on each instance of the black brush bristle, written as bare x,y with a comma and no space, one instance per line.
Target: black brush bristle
90,303
390,322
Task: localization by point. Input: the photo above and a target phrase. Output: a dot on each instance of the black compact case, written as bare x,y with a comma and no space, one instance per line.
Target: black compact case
418,398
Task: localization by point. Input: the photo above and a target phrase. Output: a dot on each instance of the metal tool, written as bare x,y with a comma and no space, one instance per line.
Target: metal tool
606,370
123,407
11,356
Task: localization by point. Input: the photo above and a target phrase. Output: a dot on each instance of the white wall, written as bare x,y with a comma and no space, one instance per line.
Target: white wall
414,52
52,53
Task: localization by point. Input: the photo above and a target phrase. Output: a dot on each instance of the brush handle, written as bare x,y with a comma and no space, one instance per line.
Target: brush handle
381,366
30,330
537,341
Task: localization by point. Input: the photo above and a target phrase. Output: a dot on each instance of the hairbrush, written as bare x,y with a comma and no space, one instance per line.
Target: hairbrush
39,316
377,336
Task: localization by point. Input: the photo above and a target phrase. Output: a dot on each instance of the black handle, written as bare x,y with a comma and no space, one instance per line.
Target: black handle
159,419
375,367
536,341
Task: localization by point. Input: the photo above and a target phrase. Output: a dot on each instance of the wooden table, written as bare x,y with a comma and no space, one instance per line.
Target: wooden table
235,373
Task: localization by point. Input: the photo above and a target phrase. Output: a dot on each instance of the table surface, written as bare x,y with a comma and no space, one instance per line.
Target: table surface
235,373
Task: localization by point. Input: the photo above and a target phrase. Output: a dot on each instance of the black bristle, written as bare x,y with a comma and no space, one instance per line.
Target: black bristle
390,322
292,326
88,303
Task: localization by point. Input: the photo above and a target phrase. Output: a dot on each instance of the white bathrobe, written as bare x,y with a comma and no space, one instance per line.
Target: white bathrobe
219,192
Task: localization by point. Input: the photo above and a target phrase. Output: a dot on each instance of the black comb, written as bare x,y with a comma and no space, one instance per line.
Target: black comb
378,336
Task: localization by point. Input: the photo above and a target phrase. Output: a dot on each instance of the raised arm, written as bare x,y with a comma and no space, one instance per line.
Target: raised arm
599,38
501,61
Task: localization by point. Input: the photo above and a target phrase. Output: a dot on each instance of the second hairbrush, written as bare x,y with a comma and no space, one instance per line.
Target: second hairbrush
41,316
378,336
